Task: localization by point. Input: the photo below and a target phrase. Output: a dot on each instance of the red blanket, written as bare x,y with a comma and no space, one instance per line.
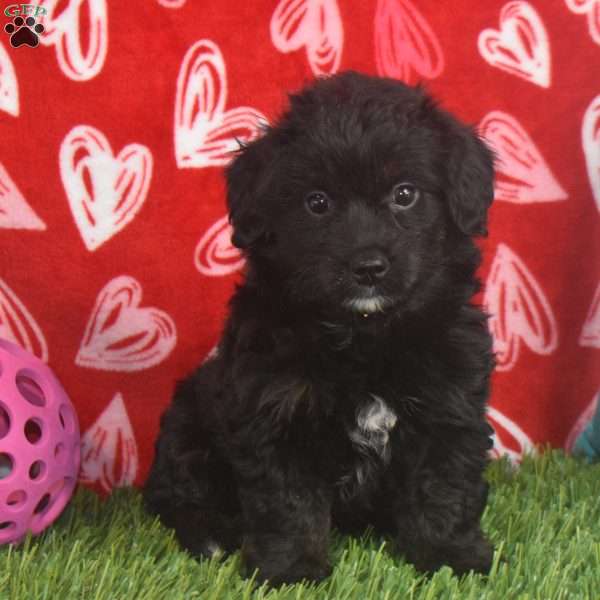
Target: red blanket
116,119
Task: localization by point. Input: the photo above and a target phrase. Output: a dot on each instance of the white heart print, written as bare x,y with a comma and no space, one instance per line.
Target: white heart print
215,255
406,47
17,324
205,133
519,310
522,174
520,46
80,55
123,336
9,89
15,212
105,191
109,454
315,25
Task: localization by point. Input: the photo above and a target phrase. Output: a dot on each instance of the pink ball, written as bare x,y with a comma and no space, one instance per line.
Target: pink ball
39,444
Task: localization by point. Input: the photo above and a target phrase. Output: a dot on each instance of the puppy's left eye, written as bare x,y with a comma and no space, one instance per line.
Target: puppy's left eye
317,203
405,195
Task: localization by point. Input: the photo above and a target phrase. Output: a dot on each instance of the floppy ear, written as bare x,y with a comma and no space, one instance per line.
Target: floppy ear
247,178
471,180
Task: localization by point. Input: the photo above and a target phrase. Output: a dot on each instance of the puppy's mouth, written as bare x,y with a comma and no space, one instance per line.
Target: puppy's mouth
369,302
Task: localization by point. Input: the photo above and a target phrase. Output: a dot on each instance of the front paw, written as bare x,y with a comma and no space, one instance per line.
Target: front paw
469,553
304,569
476,555
279,570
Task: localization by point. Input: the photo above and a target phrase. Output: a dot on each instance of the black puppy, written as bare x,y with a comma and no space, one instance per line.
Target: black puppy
351,379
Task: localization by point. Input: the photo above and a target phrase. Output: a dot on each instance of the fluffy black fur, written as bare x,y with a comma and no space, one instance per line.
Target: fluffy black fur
325,408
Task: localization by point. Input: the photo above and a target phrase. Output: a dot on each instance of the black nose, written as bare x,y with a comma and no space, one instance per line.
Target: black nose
370,267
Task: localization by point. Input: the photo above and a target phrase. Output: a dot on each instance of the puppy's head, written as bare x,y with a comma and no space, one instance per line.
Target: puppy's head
362,197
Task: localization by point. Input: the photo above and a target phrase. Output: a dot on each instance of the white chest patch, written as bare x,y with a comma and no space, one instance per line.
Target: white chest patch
376,417
371,436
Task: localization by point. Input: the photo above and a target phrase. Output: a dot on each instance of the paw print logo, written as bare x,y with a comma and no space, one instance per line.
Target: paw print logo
24,32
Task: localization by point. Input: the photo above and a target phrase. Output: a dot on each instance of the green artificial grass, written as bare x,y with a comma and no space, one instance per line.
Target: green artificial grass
543,518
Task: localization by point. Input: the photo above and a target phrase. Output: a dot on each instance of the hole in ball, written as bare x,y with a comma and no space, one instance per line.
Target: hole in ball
36,470
67,419
6,465
30,389
16,498
42,505
6,530
4,422
60,452
33,431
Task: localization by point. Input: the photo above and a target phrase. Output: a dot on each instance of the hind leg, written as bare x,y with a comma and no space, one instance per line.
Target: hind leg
204,533
196,496
208,519
190,486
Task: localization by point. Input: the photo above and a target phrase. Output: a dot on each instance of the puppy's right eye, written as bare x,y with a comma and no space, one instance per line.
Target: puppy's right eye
317,203
405,195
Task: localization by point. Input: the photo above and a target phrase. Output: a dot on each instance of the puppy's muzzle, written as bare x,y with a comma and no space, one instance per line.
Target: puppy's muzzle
369,267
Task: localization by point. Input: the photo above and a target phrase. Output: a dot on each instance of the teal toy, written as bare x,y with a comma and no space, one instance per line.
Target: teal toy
588,442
